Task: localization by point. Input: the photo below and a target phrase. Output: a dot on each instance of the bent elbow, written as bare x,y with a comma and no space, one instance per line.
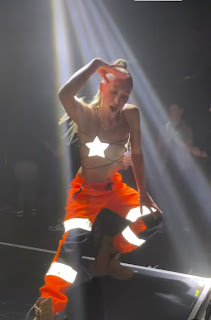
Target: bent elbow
62,95
61,92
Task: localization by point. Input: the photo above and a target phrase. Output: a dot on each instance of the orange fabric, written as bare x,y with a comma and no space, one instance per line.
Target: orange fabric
122,245
59,247
86,200
55,288
138,226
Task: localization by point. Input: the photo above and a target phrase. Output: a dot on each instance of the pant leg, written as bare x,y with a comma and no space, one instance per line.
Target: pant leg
83,206
125,202
65,267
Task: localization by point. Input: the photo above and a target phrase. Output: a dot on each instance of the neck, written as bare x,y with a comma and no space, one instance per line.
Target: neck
106,118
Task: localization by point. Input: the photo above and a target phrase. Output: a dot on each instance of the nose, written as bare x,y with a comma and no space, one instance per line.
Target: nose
117,100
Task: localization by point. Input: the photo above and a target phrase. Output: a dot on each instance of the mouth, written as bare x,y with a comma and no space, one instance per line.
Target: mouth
113,109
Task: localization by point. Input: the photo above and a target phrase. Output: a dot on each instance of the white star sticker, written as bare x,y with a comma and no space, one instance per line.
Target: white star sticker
97,148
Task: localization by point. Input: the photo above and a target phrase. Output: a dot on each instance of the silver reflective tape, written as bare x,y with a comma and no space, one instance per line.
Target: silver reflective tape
135,213
62,271
77,223
131,237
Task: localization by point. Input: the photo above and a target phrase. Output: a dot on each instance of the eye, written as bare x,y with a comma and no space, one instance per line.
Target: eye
125,98
113,91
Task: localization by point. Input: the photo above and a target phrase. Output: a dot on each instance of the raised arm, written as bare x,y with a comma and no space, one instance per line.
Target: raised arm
77,111
67,94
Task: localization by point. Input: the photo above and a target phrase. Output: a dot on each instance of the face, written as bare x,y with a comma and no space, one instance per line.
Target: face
115,94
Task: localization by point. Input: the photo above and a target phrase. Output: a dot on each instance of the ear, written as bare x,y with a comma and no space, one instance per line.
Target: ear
101,86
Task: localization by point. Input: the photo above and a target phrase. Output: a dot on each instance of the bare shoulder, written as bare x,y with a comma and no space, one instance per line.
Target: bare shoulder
87,110
131,113
82,104
129,106
76,108
87,116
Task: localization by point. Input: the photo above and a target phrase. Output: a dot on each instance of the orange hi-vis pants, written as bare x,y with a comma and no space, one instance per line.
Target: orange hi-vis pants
84,203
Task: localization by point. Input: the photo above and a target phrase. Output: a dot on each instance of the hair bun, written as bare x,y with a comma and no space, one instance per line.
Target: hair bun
121,62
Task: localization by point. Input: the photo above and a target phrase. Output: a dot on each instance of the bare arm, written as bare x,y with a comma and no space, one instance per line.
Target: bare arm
77,111
133,117
67,94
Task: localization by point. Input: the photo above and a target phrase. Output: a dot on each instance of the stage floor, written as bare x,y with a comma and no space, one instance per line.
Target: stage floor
150,294
26,250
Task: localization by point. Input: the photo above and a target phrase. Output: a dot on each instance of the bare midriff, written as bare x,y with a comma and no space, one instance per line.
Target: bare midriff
100,174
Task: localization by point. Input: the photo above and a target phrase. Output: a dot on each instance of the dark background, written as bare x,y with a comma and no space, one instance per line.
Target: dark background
170,39
172,42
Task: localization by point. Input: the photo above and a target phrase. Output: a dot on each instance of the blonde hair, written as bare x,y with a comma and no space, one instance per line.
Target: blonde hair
73,127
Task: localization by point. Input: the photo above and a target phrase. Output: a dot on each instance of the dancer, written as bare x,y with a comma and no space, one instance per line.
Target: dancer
104,128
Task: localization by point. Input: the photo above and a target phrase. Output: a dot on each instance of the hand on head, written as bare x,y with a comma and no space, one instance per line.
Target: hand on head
110,72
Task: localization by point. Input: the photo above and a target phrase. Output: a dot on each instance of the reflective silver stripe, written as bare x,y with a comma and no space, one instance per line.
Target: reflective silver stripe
77,223
62,271
131,237
135,213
